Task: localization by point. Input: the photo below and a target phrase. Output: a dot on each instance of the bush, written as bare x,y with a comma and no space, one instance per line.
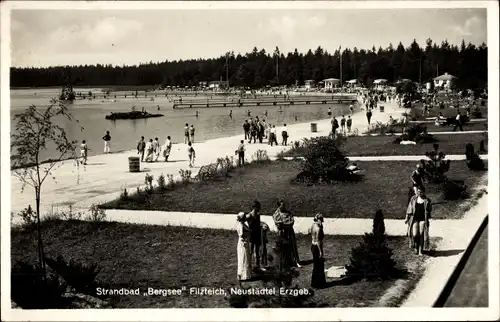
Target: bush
28,216
70,215
418,133
33,288
280,156
81,277
96,214
454,190
185,175
260,156
162,183
148,180
372,259
436,167
124,194
324,162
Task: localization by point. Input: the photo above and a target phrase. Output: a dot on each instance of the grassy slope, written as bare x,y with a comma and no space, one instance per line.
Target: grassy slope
142,256
385,186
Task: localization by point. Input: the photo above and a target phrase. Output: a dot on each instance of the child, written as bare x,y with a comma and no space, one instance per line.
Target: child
84,152
191,155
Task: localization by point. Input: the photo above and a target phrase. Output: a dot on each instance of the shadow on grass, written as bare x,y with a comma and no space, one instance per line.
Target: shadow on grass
445,253
96,163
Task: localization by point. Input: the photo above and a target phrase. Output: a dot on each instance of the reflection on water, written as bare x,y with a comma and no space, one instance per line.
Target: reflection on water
211,123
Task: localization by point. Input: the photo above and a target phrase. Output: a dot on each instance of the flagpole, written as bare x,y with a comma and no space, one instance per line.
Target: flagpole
227,69
340,52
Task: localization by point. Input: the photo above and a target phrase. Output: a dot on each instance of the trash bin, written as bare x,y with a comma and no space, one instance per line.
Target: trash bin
134,164
314,127
381,108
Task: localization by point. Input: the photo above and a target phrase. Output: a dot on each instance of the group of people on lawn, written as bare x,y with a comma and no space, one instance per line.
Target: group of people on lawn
252,243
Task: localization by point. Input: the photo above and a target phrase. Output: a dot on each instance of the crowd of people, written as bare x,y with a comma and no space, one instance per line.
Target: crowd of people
258,130
253,239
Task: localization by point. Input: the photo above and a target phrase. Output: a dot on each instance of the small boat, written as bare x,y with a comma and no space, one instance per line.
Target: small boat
133,115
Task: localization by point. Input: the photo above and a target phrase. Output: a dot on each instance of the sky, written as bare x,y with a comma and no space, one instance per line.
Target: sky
79,37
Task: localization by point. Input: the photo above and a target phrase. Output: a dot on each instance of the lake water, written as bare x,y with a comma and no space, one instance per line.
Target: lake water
212,122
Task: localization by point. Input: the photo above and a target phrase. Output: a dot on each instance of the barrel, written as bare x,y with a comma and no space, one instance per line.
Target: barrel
381,108
314,127
134,164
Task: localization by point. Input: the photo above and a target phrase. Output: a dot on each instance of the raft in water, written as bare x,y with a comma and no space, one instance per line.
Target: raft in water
134,115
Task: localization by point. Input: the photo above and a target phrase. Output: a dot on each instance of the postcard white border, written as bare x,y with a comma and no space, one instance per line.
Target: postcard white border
317,314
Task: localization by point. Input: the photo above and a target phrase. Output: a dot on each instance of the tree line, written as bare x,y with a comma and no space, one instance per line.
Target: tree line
260,68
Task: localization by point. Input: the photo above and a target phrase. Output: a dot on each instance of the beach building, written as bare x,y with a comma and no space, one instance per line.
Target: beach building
203,84
445,80
309,84
218,84
352,82
380,84
331,83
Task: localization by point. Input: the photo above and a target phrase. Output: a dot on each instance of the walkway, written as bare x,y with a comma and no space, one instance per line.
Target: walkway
332,226
106,175
454,242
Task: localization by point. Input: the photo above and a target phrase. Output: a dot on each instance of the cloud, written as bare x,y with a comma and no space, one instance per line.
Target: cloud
474,26
288,26
103,33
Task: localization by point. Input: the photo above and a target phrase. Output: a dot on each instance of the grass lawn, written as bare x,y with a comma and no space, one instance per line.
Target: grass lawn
385,186
471,126
447,112
142,256
383,145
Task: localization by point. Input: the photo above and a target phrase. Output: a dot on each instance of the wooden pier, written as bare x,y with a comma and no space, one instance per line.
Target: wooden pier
268,102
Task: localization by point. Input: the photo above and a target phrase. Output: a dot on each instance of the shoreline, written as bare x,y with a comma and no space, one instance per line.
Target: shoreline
356,110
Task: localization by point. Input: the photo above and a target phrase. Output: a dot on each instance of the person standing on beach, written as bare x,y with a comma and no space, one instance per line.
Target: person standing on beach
342,124
107,145
349,123
284,134
265,113
260,131
241,153
197,114
329,112
167,147
84,152
266,129
246,129
369,115
141,146
191,133
253,132
231,114
156,149
186,133
191,155
351,109
335,126
149,151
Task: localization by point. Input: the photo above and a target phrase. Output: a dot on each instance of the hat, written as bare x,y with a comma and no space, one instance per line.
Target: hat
318,217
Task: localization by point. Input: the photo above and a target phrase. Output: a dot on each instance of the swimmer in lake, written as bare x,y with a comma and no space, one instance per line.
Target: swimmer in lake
265,113
196,113
158,106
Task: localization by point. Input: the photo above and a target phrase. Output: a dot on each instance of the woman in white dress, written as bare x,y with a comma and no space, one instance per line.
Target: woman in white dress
243,248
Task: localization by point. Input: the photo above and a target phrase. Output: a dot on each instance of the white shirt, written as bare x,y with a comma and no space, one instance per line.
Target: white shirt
283,129
458,118
148,146
273,130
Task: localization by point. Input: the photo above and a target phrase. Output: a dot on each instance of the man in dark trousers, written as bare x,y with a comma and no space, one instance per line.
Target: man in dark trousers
458,122
256,233
141,147
246,129
107,146
241,153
